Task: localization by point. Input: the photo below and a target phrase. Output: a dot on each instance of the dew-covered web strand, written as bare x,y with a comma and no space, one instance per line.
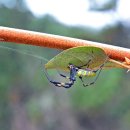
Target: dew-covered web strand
25,53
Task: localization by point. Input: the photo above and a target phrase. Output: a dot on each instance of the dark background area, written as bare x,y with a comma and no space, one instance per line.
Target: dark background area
29,102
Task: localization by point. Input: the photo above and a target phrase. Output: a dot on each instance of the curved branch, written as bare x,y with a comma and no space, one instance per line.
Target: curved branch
58,42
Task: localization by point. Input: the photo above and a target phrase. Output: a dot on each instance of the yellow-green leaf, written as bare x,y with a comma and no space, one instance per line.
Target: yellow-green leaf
78,56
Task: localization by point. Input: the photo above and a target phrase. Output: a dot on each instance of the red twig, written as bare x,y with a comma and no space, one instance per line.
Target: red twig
58,42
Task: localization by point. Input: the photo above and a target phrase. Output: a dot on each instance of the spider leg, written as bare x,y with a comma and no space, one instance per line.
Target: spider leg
87,64
81,78
71,78
60,84
67,77
95,71
101,66
91,83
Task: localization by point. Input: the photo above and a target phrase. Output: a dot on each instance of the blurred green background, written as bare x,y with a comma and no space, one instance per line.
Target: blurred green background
29,102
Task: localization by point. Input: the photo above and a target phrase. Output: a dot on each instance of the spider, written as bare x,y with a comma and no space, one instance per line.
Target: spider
77,70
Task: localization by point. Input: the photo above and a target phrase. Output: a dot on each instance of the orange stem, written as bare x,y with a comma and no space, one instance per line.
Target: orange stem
58,42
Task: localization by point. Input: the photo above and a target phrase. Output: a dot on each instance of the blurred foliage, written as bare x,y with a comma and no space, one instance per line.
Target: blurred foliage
100,93
28,101
102,5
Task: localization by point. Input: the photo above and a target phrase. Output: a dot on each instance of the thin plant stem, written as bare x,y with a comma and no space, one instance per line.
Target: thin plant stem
20,36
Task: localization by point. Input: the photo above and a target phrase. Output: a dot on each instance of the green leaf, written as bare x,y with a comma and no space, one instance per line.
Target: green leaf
78,56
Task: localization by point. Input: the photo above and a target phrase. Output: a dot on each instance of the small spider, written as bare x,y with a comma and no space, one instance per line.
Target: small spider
77,70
